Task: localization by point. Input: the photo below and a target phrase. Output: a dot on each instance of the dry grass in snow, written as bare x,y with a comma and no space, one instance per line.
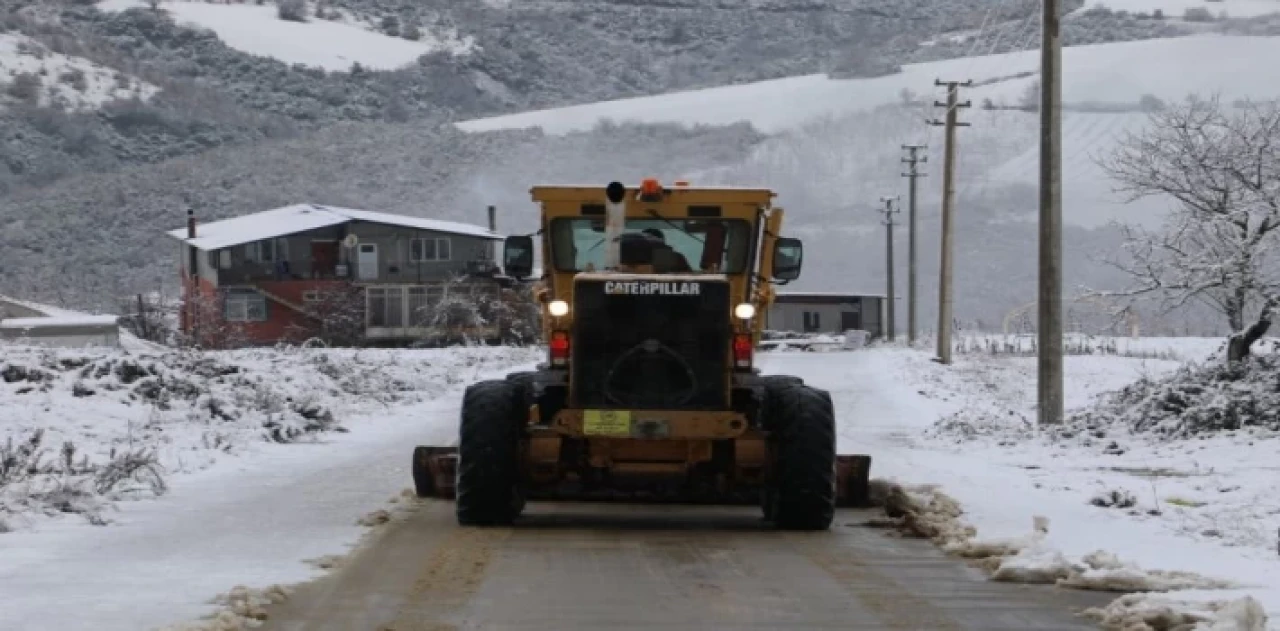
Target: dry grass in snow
83,429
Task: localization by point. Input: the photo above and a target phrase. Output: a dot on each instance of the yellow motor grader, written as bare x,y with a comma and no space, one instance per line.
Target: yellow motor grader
652,301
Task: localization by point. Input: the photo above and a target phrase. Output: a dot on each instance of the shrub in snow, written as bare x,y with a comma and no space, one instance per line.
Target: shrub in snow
32,481
1197,14
1116,498
292,10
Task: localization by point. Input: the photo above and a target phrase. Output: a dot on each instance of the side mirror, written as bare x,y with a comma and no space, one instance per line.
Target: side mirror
788,255
517,257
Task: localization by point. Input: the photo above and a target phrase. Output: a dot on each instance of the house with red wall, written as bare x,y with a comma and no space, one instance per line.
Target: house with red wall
307,270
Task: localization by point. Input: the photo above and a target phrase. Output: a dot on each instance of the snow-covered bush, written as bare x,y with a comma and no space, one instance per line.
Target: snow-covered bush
1196,399
292,10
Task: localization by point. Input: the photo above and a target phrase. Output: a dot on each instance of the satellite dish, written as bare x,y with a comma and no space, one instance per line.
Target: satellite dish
351,241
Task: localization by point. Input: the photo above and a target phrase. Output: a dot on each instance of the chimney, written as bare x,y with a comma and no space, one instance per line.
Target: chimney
191,224
495,250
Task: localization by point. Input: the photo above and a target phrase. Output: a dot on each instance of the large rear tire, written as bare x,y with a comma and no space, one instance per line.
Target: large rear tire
488,455
805,485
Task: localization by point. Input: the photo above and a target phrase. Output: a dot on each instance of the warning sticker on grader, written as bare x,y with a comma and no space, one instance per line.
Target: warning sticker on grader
606,422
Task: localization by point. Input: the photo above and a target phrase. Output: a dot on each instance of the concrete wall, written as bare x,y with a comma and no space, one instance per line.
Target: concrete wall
790,316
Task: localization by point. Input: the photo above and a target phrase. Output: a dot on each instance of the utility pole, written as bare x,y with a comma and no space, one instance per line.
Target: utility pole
888,211
912,173
1049,380
948,207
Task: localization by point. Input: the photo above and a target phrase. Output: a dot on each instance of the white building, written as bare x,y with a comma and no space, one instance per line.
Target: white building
32,323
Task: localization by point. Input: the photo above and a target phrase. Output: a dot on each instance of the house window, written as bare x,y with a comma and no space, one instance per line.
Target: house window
220,259
244,305
386,306
261,251
429,249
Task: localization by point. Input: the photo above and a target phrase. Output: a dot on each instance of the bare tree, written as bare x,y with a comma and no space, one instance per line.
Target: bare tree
340,315
1218,245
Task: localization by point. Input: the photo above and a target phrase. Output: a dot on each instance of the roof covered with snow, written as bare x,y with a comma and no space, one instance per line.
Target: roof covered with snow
280,222
48,310
59,322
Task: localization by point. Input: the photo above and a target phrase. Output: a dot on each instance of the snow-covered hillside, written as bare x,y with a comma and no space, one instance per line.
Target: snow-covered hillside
333,43
31,72
1176,8
1103,86
1121,73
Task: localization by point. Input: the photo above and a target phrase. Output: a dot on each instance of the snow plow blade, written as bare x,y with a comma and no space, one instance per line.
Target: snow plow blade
434,469
853,481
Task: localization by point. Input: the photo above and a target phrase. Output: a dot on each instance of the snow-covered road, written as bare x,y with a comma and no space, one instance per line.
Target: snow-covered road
257,520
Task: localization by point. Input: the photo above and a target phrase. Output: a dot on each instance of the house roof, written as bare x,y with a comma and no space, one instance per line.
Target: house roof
55,322
280,222
47,310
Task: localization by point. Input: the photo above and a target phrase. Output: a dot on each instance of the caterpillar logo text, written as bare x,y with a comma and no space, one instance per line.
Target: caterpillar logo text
666,289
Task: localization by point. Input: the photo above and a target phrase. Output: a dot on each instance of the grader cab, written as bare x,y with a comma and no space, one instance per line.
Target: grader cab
651,300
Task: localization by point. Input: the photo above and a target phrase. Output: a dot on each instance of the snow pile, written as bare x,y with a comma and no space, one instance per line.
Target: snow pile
1140,612
335,42
1196,399
35,74
925,512
82,429
240,608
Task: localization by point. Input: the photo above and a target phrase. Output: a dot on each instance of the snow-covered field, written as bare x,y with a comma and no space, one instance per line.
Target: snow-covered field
332,44
73,82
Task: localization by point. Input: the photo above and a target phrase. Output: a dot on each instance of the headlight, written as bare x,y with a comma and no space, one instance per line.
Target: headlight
558,308
745,311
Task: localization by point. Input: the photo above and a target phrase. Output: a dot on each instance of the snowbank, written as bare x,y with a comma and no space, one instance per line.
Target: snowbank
332,44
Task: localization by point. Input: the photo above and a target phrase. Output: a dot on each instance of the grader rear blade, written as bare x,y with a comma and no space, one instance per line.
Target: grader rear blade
434,469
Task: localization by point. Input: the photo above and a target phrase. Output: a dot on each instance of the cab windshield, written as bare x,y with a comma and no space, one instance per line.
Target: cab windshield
669,245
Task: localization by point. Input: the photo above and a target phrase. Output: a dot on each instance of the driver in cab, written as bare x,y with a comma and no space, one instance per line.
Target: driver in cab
665,259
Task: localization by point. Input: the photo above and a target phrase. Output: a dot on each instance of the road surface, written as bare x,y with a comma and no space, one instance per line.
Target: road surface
596,566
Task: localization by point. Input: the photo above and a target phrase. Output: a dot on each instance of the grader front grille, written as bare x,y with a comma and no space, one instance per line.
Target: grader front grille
651,344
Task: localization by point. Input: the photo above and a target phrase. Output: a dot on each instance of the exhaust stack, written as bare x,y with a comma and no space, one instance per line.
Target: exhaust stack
191,223
615,218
